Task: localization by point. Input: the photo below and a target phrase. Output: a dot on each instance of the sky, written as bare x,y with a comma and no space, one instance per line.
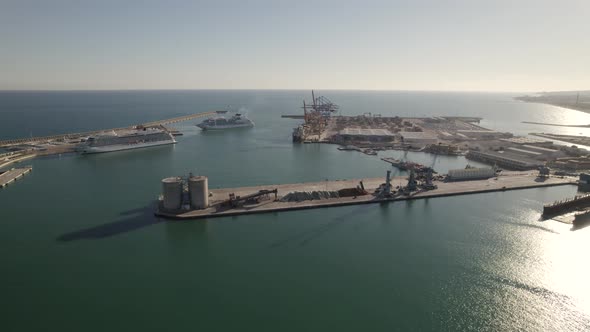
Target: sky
460,45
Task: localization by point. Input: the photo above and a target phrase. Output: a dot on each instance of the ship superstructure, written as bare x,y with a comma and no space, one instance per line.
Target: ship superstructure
219,122
126,140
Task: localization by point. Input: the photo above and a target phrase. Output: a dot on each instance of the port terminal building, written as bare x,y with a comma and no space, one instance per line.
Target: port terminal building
417,137
366,135
507,160
471,174
571,163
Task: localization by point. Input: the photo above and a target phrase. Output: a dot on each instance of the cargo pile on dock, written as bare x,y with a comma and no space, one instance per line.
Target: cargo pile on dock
299,196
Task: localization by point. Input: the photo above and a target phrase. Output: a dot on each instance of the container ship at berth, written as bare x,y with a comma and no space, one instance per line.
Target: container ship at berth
126,140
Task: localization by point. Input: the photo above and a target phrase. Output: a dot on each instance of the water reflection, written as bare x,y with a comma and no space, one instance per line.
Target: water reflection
565,269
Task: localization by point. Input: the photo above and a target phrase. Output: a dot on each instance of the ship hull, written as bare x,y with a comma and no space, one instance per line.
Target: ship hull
205,127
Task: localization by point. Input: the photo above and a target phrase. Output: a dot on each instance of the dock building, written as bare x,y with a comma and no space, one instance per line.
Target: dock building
417,137
482,134
506,160
366,135
520,140
471,174
572,163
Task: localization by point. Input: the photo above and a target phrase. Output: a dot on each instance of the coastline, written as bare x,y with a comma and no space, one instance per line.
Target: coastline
582,107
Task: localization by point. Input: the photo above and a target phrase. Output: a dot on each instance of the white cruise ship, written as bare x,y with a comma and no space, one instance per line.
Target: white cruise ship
126,140
218,123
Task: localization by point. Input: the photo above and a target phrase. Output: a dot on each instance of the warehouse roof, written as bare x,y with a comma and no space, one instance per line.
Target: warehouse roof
525,140
525,151
417,135
365,132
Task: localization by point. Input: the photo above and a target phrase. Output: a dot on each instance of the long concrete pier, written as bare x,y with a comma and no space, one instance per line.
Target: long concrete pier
12,175
70,136
507,181
11,158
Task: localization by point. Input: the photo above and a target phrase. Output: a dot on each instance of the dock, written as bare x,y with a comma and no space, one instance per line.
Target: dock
12,175
564,206
504,182
14,157
75,136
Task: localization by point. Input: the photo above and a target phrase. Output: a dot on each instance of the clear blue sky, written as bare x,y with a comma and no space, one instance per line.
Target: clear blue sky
495,45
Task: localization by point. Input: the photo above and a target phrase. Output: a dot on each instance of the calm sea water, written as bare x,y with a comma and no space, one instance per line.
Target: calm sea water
81,249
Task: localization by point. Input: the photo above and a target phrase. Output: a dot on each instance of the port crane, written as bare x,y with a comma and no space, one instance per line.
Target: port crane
235,201
317,113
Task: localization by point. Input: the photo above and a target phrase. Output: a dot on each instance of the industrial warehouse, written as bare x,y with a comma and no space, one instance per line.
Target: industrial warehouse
471,173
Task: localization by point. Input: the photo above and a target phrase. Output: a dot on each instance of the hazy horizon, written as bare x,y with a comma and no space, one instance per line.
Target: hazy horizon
459,46
294,89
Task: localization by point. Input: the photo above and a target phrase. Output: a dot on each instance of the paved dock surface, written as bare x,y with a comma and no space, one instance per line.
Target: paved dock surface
12,175
74,136
507,181
14,158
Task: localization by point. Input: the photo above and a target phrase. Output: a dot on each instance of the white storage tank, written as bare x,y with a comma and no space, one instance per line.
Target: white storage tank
471,174
172,192
198,188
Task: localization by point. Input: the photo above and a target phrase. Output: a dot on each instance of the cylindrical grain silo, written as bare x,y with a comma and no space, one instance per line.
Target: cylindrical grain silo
172,192
198,188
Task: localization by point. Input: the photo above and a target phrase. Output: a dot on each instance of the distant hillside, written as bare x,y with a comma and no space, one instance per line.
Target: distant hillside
576,100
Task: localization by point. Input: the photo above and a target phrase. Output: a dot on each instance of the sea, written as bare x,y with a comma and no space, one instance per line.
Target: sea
83,251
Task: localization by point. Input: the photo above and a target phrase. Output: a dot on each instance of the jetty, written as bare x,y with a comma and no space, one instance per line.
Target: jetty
561,207
7,177
76,136
362,191
14,157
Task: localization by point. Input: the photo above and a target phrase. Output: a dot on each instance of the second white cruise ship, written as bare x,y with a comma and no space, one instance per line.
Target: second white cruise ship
217,123
126,140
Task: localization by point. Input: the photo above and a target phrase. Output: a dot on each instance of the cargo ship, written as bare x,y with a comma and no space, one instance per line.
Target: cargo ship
126,140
